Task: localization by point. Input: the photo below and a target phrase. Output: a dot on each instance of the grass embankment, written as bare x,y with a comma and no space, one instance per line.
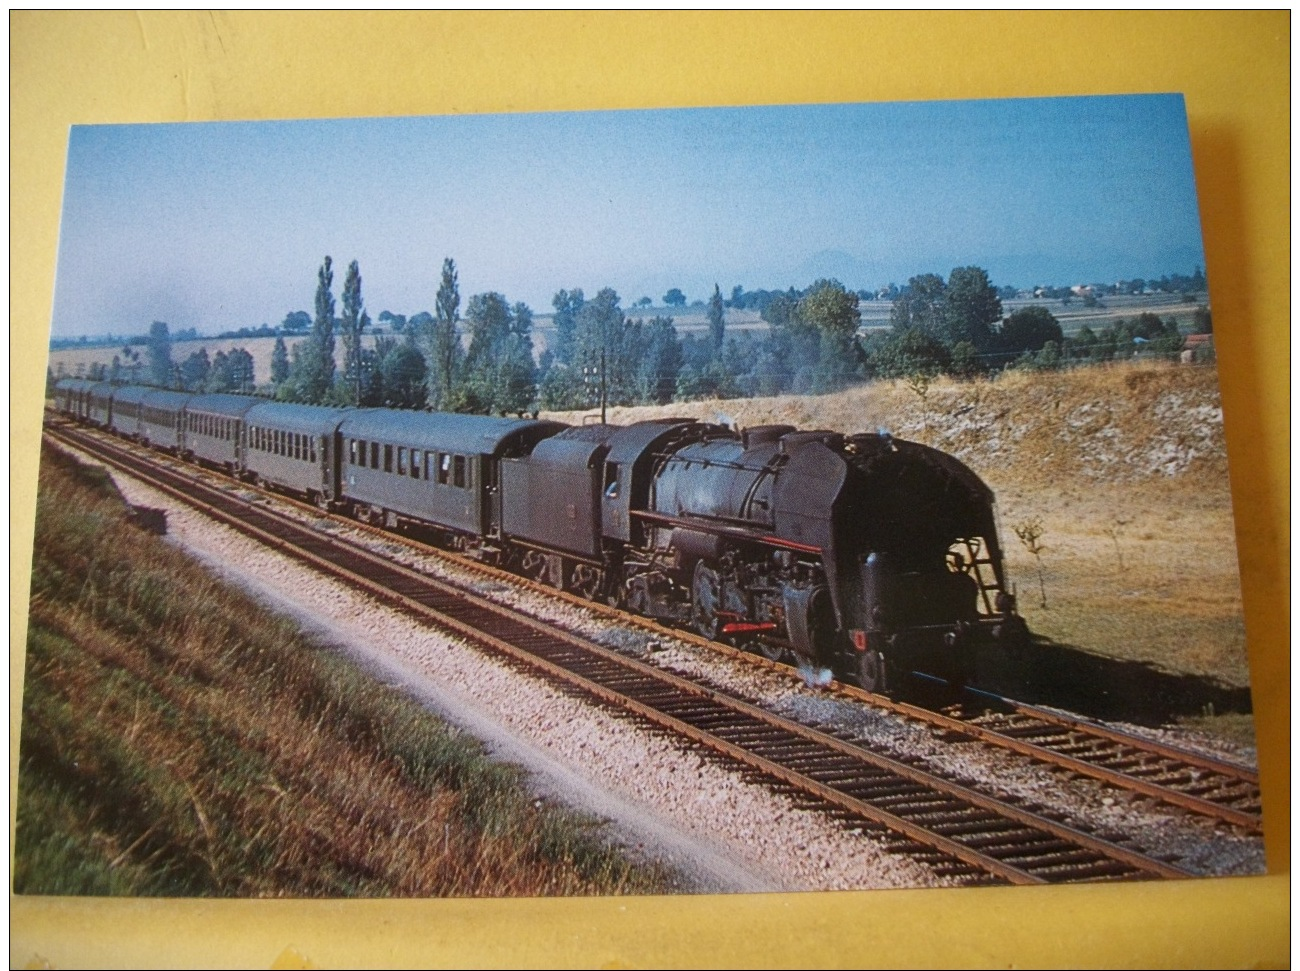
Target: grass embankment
1123,468
177,739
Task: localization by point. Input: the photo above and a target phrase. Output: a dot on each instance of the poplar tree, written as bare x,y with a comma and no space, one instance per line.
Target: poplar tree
444,342
312,371
717,319
351,326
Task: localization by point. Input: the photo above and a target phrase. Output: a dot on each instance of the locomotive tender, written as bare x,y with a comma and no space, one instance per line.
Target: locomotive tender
862,554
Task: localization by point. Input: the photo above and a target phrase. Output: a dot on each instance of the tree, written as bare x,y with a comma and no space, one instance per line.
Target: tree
311,372
517,374
831,310
1030,534
737,297
195,369
599,333
402,374
279,363
920,306
906,354
660,363
352,325
717,319
444,344
674,298
160,355
1028,329
779,311
231,372
296,322
970,308
1201,320
567,304
823,333
487,319
240,363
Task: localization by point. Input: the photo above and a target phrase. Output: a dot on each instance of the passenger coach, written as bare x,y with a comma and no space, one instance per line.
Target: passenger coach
432,466
291,447
213,424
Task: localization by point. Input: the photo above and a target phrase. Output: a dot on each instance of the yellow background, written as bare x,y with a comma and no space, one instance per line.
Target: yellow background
71,68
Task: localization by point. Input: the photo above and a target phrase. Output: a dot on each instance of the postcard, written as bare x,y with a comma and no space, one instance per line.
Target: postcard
675,501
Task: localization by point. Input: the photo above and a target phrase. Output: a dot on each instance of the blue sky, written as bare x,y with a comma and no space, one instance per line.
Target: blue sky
223,225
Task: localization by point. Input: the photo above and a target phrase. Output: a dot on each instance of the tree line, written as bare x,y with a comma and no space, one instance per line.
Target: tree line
485,362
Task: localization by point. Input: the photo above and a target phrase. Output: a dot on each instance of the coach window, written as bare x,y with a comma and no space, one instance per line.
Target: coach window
352,451
388,458
401,460
460,472
444,468
416,462
374,455
311,448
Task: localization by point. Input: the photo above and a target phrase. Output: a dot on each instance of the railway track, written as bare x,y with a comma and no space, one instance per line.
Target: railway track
958,831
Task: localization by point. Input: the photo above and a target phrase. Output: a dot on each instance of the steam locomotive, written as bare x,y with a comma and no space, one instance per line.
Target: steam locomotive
863,556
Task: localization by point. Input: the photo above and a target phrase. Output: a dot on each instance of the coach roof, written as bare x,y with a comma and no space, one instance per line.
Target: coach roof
442,431
232,405
309,419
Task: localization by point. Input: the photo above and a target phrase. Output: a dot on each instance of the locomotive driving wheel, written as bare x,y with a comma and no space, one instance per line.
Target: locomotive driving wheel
704,601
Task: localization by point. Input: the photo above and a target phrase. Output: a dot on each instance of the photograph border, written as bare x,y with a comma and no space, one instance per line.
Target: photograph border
75,68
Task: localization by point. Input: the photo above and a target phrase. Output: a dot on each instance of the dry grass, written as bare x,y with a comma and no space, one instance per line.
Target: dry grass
178,740
1123,465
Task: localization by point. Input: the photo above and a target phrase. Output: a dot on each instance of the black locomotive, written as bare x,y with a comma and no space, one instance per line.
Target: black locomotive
863,555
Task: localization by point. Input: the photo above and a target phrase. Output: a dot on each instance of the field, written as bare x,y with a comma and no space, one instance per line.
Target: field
1123,471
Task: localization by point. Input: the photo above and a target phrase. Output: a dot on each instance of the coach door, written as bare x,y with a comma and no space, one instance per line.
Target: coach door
328,486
